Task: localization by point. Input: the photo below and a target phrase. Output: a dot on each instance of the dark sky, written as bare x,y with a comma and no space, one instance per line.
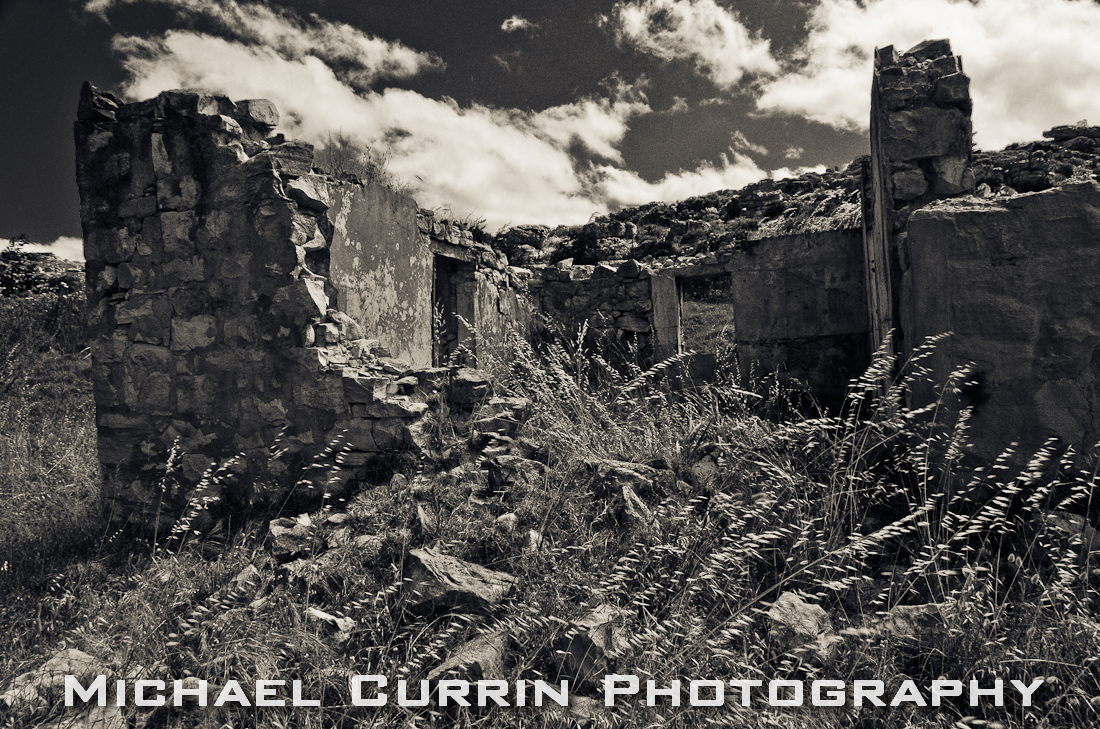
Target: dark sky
533,111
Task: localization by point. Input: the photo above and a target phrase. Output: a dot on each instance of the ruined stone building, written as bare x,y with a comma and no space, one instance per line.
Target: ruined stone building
237,296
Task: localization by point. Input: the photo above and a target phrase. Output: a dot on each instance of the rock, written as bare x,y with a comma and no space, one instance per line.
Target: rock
594,639
532,543
609,478
1062,133
480,659
349,328
311,192
359,389
290,538
440,580
909,184
96,717
794,623
259,112
912,621
704,471
502,415
292,158
581,709
636,514
343,625
46,683
508,522
469,387
512,473
1072,527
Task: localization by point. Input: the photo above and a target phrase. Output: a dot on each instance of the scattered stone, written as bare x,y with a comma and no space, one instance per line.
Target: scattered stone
508,522
912,621
512,473
290,538
532,543
343,625
636,514
445,581
480,659
469,387
794,623
595,640
35,688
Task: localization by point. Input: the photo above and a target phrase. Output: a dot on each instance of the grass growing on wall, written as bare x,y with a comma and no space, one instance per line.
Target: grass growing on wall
860,512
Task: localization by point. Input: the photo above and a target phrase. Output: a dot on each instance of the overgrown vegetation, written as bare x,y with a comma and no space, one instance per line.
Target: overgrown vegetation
859,512
345,158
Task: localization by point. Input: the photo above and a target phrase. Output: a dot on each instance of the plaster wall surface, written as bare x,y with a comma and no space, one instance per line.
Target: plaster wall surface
1016,281
382,268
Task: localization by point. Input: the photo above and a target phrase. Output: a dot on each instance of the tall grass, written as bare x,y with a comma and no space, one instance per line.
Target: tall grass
860,511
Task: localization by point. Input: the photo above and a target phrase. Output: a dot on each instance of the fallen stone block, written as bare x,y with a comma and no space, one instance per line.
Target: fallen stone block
793,623
440,580
595,640
480,659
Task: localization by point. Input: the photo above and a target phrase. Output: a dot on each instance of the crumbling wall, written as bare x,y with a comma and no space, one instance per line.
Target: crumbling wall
920,151
798,304
1015,280
382,269
614,300
215,262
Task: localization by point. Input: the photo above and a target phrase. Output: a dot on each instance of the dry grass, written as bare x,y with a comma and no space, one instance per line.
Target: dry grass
861,511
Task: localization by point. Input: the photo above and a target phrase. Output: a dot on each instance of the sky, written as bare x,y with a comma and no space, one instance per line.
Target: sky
530,111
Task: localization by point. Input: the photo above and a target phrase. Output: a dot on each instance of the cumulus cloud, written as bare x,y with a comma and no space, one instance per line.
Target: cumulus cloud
624,188
741,142
514,23
555,165
359,58
1032,63
793,152
67,247
721,46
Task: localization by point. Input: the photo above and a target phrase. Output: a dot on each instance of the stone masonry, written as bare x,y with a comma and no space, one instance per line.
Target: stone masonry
215,259
920,151
241,301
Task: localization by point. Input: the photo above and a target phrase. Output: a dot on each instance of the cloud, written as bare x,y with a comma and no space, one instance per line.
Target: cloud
555,165
741,142
514,23
66,247
715,39
624,188
786,172
793,152
679,103
507,59
1032,63
359,58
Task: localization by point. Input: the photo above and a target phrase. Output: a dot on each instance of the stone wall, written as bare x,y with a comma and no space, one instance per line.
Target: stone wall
1015,280
218,265
798,304
920,151
613,299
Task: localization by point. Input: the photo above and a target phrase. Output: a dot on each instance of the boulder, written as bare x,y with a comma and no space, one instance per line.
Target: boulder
794,624
36,688
595,639
440,580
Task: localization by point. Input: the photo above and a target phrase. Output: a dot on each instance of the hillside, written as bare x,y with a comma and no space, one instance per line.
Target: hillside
805,204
